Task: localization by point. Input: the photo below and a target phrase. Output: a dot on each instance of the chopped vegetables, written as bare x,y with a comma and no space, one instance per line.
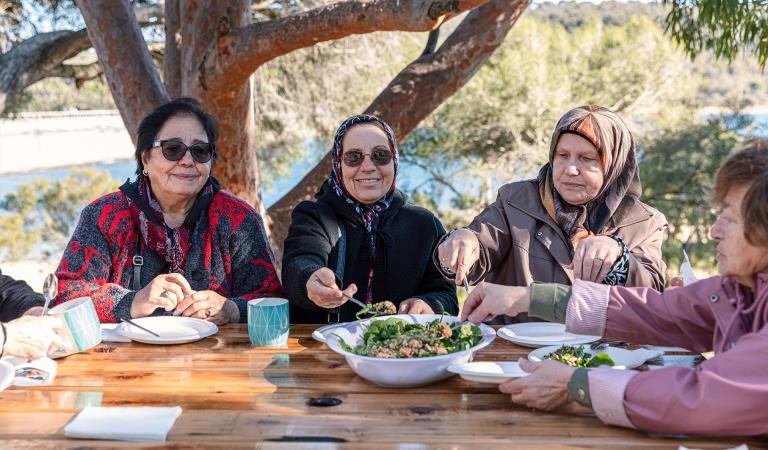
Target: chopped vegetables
384,308
575,356
396,338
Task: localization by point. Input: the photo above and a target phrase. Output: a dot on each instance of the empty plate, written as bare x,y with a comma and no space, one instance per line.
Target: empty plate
321,333
542,334
172,330
488,371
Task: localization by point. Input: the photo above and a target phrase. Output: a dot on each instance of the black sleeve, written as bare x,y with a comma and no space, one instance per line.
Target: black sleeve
437,291
16,297
306,249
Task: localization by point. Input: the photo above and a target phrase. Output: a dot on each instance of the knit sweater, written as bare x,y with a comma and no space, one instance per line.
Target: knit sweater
403,268
229,254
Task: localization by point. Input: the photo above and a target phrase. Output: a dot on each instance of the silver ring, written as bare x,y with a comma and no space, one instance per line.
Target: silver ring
208,312
165,293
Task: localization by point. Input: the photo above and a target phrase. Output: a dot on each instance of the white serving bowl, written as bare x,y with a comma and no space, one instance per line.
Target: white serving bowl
402,372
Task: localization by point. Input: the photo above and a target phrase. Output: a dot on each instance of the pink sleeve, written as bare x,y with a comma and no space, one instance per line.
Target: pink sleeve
606,390
676,317
726,395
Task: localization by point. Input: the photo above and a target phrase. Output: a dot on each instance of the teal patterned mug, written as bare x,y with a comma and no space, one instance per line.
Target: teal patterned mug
81,329
268,321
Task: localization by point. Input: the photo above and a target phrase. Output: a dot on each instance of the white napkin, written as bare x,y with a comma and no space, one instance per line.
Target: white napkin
109,333
140,424
687,271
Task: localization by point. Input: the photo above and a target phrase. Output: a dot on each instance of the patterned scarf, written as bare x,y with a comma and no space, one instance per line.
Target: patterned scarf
616,147
369,214
172,244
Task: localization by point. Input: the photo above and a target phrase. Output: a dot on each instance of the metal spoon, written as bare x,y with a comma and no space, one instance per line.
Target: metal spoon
50,290
33,373
343,295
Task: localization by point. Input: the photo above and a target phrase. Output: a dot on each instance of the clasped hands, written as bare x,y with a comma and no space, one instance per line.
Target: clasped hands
173,292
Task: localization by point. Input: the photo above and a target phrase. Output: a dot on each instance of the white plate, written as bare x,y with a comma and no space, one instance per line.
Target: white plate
624,359
172,330
6,374
542,334
488,371
321,333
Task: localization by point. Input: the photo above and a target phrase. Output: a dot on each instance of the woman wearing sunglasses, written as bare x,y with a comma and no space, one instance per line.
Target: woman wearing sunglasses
171,241
581,218
361,238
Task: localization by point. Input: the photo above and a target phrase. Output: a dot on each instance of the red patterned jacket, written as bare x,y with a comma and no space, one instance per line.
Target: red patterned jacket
229,254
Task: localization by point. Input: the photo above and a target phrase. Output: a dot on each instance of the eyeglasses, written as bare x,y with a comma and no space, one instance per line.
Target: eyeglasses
174,150
354,158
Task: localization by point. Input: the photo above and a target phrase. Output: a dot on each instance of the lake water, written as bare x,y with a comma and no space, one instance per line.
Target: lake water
409,177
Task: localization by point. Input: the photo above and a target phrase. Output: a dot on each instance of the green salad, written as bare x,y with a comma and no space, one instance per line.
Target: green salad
575,356
396,338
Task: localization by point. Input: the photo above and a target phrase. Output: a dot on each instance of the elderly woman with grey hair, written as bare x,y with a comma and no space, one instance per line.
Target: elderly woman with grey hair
581,218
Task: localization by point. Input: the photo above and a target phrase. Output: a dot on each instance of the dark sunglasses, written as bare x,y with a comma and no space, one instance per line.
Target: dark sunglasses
354,158
174,150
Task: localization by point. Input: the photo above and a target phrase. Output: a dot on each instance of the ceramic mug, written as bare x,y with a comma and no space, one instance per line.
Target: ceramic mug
268,321
81,329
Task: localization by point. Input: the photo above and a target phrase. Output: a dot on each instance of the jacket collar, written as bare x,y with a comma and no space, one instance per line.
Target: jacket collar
347,212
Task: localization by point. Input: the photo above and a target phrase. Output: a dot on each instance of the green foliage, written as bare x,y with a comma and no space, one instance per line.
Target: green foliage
58,94
497,128
677,169
46,212
723,26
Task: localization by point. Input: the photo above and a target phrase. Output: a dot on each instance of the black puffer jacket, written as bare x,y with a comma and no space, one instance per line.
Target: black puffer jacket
403,269
16,297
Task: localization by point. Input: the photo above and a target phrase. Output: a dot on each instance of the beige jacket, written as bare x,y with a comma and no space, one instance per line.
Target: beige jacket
520,243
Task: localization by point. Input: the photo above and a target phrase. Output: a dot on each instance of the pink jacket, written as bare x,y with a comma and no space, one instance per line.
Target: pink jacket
725,395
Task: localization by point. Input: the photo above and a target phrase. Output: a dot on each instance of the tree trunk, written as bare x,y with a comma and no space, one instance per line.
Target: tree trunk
207,23
172,53
124,58
417,91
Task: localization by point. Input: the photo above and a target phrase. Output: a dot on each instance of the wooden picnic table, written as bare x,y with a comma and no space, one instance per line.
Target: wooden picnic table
234,395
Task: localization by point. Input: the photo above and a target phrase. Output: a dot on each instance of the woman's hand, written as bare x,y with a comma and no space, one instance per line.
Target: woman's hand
32,337
459,252
208,305
414,306
322,289
594,257
546,388
489,300
165,291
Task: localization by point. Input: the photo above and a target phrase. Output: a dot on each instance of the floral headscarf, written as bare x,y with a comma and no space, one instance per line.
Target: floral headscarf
616,148
369,214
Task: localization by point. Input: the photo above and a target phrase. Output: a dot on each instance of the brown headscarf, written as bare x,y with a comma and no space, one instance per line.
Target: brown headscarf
621,187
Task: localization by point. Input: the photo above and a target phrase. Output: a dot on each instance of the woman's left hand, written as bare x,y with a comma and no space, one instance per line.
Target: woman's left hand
546,388
594,257
414,306
208,305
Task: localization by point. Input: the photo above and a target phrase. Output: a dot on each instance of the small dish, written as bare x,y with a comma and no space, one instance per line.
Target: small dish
624,359
488,371
172,330
542,334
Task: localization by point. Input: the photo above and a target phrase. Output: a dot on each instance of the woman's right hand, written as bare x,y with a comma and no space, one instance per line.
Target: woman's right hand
323,291
459,252
489,300
32,337
165,291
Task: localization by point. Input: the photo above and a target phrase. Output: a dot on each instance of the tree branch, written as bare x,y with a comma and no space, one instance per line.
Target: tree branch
125,59
236,55
419,89
28,62
80,73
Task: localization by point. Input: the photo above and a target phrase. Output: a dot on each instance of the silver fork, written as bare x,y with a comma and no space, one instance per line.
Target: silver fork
345,296
604,343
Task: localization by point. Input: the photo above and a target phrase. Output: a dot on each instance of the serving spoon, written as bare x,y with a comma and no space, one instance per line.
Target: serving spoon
50,290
